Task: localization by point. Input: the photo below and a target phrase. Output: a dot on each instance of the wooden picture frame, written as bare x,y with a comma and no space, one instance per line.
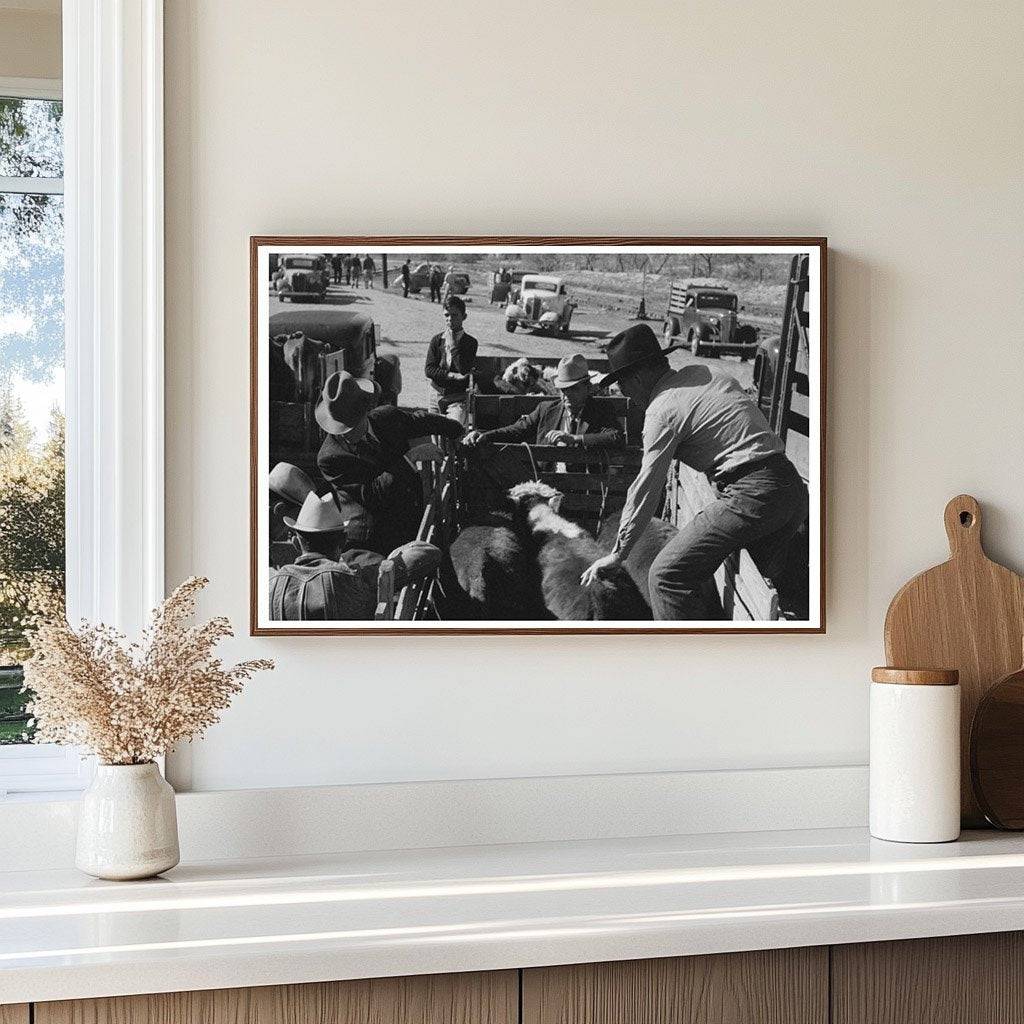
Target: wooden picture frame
801,321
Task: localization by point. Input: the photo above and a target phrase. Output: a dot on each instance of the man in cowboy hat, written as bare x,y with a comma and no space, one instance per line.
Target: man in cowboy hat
288,487
705,419
574,420
327,583
363,455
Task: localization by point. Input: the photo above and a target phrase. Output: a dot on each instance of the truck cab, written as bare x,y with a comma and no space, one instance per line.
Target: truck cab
707,318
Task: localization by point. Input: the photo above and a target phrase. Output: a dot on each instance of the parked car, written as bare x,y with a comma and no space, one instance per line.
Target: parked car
706,317
540,303
419,278
343,340
302,277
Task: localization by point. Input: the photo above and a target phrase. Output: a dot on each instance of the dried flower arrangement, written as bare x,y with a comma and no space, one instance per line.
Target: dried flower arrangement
130,703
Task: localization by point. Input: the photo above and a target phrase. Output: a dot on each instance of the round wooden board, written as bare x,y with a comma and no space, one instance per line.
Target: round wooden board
997,752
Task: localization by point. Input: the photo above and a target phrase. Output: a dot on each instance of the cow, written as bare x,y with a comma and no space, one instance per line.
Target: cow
302,357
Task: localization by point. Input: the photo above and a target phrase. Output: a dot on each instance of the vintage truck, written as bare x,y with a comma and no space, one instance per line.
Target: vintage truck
301,277
541,303
336,339
706,318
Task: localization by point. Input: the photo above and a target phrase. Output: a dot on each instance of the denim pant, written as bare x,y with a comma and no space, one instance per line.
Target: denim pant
760,512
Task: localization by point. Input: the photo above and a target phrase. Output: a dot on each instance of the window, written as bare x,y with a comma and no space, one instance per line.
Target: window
32,548
107,143
716,300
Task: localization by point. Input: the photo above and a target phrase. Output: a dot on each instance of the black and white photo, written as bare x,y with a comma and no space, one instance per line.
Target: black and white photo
582,435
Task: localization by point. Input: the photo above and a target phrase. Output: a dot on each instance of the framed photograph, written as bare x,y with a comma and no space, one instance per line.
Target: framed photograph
537,435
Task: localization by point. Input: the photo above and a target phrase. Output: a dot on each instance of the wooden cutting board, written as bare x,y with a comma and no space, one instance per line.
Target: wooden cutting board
967,614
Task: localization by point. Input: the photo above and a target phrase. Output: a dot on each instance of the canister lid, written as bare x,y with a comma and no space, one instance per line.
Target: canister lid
916,676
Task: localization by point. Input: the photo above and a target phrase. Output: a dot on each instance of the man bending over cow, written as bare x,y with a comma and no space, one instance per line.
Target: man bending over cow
705,419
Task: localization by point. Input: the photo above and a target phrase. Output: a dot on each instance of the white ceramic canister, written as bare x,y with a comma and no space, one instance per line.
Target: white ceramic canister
127,825
915,755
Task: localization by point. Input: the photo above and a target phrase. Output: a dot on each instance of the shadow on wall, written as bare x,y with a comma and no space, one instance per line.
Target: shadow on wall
856,291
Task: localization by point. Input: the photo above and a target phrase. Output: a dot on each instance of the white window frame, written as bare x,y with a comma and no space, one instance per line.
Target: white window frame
114,334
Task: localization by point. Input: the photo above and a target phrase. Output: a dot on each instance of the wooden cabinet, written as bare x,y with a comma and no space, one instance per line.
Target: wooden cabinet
970,979
491,998
777,986
962,979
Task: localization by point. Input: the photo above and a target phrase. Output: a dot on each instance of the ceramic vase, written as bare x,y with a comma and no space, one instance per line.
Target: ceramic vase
127,825
915,755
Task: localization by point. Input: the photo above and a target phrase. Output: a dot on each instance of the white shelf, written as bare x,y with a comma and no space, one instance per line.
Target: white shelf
351,915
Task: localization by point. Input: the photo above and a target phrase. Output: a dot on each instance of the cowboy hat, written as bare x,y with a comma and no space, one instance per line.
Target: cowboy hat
344,402
289,482
631,348
317,515
572,370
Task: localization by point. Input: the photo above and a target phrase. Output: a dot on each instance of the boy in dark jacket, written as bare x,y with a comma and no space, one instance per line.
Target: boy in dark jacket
450,357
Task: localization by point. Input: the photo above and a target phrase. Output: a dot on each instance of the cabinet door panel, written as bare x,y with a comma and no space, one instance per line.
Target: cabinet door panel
960,979
778,986
481,998
14,1013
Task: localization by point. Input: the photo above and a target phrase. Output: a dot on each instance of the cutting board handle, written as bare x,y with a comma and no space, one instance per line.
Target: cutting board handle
963,526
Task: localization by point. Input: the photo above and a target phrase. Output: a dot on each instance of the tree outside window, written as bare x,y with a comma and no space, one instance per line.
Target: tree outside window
32,556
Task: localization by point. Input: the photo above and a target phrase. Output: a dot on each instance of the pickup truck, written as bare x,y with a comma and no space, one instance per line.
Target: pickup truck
706,317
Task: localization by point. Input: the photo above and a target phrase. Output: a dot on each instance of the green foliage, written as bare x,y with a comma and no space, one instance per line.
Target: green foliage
14,721
31,526
31,146
31,549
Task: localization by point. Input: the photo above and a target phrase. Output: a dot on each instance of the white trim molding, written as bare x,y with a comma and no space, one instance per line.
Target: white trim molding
43,771
32,186
239,824
31,88
114,308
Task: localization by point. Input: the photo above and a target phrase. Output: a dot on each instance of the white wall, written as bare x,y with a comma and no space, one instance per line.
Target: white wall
30,40
894,129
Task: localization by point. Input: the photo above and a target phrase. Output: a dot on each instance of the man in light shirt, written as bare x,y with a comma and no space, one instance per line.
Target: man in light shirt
448,286
705,419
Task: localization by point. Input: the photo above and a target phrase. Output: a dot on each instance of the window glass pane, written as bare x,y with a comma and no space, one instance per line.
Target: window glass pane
31,138
31,432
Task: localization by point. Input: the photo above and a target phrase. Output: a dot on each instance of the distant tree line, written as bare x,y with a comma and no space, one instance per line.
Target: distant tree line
32,554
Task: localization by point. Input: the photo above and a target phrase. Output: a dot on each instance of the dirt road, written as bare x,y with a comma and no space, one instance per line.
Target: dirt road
407,325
